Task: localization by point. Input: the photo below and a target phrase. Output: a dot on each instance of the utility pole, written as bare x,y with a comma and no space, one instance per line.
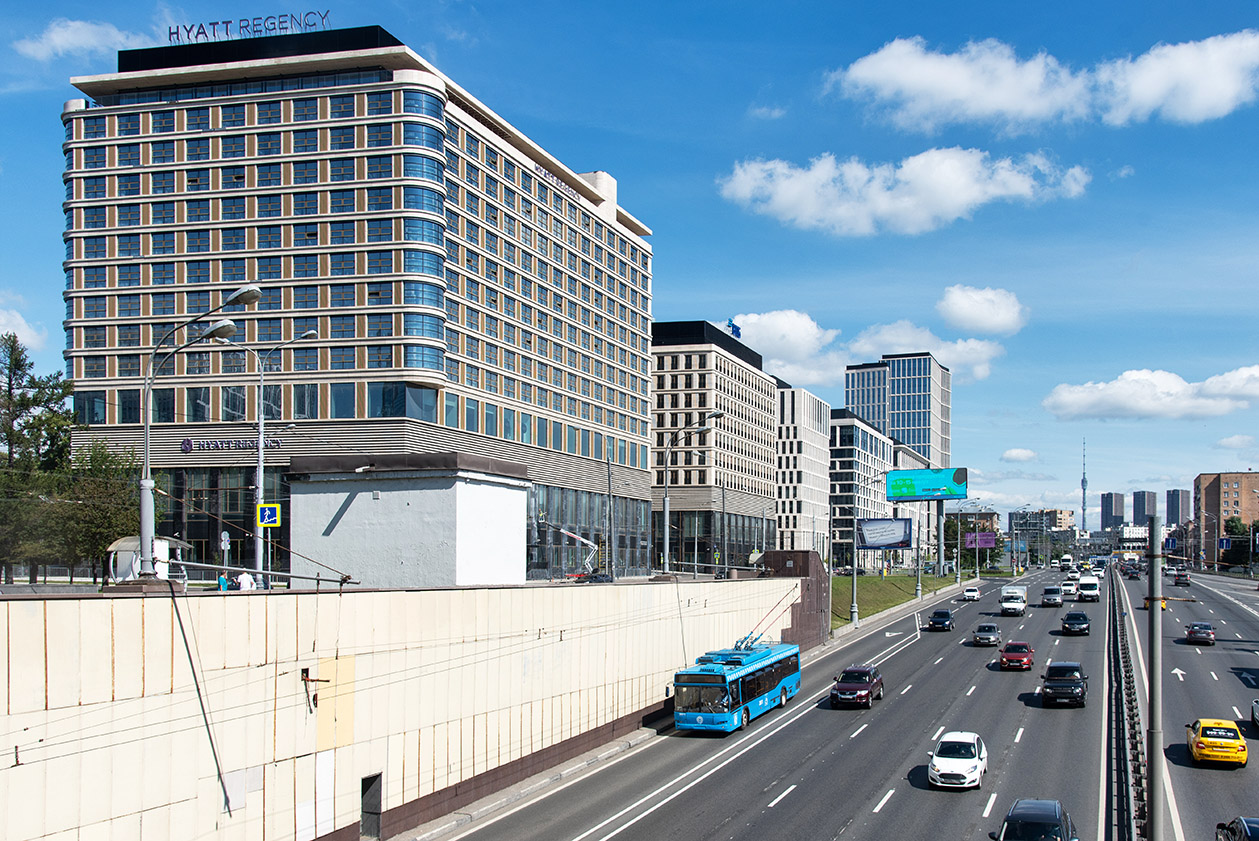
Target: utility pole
1154,644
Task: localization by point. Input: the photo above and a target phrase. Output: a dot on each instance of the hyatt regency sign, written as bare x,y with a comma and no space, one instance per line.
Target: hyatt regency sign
217,30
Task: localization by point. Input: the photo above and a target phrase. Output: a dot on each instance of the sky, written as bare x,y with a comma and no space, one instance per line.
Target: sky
1057,200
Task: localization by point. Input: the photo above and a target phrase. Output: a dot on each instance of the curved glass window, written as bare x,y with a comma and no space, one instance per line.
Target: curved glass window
423,326
423,357
414,134
419,198
418,102
418,166
418,293
422,230
422,262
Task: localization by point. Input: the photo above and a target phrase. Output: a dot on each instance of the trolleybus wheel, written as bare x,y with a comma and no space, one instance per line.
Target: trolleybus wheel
782,698
743,721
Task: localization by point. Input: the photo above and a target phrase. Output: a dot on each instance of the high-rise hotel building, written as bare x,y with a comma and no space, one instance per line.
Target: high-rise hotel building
467,290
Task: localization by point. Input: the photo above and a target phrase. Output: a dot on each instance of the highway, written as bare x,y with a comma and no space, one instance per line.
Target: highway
1203,681
811,772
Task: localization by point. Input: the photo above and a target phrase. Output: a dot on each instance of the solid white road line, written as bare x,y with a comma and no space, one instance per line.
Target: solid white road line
1018,736
969,691
992,798
941,730
886,798
907,688
1237,713
858,730
774,802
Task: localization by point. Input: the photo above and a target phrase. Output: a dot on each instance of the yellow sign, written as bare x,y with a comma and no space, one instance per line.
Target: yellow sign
269,515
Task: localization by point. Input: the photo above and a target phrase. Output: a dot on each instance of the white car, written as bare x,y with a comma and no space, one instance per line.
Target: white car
1069,588
1254,712
960,760
970,594
1073,574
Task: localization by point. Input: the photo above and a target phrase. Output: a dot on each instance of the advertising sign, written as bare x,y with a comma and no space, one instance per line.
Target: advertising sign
919,485
885,534
981,540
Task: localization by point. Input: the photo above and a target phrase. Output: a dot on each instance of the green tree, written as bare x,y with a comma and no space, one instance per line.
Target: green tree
99,503
1239,552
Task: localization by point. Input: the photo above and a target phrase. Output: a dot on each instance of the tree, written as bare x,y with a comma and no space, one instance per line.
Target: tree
99,503
1239,532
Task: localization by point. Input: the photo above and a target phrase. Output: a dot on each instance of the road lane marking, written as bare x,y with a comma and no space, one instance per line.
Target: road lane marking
1057,641
1020,627
937,662
1223,621
1178,673
1018,736
1239,636
907,688
1213,677
858,730
774,802
992,798
938,732
1036,691
1209,610
1237,713
886,798
969,691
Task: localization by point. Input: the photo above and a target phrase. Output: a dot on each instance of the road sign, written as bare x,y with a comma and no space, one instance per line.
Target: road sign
225,540
1226,543
1169,543
269,514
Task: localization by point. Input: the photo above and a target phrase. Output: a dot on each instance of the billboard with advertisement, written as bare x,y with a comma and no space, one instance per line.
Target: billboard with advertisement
885,534
920,485
981,540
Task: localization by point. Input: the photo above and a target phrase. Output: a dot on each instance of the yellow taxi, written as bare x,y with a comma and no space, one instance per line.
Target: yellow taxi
1216,738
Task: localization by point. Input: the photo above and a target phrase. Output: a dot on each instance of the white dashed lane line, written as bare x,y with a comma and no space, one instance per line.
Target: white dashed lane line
1213,677
937,734
774,802
886,798
1018,736
1237,713
969,691
907,688
992,798
856,732
937,662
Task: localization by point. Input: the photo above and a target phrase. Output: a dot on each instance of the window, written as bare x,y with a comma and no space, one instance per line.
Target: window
305,359
94,188
342,137
197,119
341,358
305,265
341,201
380,230
379,325
269,330
233,402
159,244
93,278
305,401
233,271
305,297
380,198
94,127
305,141
232,146
90,406
305,172
197,363
128,275
270,236
197,405
195,302
232,209
341,169
268,112
95,307
162,274
162,153
94,157
162,213
379,103
197,272
380,135
231,116
342,264
414,134
341,294
423,326
232,177
341,397
268,175
197,150
269,206
233,239
129,154
162,122
128,335
129,185
305,110
305,204
196,180
379,294
163,304
129,401
380,167
425,104
94,217
341,232
418,166
197,241
341,107
341,327
422,230
305,235
128,306
380,356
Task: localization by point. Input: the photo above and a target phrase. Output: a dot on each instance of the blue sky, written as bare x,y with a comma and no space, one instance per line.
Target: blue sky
1059,201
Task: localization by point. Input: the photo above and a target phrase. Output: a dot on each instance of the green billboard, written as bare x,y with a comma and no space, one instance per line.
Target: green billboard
919,485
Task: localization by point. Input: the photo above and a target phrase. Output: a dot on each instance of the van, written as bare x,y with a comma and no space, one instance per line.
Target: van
1090,589
1051,596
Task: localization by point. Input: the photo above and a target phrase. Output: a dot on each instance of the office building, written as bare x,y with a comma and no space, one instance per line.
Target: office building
860,457
803,471
1218,497
1144,506
1112,511
718,472
906,396
466,290
1178,507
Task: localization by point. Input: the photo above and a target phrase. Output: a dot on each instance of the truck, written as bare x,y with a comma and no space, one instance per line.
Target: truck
1013,600
1090,589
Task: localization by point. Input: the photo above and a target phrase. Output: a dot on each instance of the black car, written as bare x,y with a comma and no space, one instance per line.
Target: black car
1076,622
940,620
1238,829
860,685
1034,820
1064,682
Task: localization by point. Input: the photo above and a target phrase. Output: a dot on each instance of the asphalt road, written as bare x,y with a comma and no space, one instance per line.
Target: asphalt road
1203,682
810,772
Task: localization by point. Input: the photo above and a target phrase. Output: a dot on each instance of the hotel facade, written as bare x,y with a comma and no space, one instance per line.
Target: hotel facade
432,280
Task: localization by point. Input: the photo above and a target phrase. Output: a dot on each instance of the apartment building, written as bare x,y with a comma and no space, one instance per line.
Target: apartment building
803,471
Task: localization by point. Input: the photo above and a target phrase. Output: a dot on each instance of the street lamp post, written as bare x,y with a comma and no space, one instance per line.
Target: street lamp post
701,424
853,616
223,328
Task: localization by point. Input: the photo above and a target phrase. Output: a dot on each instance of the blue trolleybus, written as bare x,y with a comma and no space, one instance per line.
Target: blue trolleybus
726,689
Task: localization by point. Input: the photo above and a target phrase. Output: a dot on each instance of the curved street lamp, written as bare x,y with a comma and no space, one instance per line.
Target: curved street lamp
221,329
701,426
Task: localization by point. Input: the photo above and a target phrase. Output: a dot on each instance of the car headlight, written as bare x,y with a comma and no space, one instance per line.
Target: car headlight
972,769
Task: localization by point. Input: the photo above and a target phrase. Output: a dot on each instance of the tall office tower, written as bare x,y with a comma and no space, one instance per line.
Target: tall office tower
1144,506
720,482
803,470
1112,511
861,456
467,290
908,396
1178,510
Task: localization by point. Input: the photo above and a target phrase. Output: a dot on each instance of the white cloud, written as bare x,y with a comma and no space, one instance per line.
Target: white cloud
984,310
968,359
1019,454
1236,442
79,37
921,193
985,82
11,321
1125,171
794,346
1152,394
1190,82
767,112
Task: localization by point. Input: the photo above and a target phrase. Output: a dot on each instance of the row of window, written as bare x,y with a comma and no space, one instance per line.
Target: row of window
378,325
258,238
343,358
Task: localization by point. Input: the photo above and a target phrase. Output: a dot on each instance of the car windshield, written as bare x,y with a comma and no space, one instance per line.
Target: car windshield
854,676
1077,617
1031,831
1052,591
986,629
701,699
955,750
1062,673
1199,626
1017,648
1220,733
940,614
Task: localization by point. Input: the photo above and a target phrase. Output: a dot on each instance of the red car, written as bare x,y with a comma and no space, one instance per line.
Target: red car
1017,655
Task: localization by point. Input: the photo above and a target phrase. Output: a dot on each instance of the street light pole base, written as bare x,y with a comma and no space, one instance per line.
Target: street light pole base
143,585
853,617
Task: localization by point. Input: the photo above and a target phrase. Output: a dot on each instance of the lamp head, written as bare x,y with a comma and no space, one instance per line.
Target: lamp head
721,414
245,295
309,334
224,328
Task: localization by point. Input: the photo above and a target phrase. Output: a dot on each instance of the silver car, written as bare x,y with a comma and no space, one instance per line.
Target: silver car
986,634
